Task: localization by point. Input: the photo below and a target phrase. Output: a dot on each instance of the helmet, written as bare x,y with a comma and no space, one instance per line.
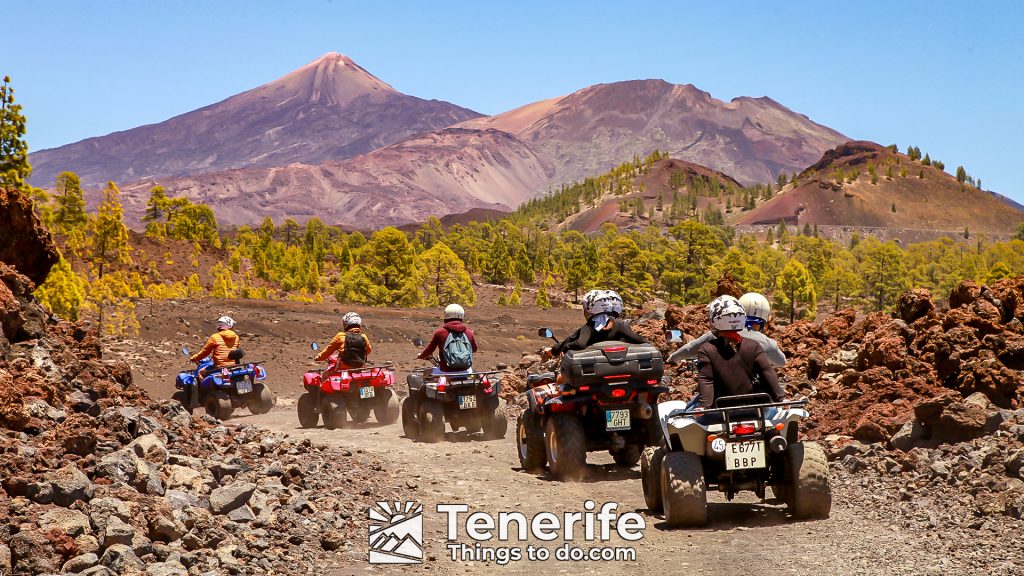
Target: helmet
454,311
351,319
602,302
726,314
756,306
225,323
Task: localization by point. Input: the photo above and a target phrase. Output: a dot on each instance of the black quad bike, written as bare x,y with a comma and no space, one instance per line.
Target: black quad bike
468,400
605,403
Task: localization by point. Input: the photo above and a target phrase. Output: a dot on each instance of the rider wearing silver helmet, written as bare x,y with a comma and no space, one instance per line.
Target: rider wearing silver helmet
758,311
602,309
351,345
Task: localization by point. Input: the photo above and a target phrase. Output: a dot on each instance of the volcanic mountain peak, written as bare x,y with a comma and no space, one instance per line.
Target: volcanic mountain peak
331,79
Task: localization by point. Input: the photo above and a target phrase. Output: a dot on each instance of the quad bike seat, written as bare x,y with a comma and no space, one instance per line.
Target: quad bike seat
532,379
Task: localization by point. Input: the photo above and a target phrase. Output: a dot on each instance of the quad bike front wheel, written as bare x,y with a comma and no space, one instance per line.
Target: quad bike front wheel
218,405
410,413
334,412
651,462
309,412
431,419
628,456
530,442
260,400
495,424
567,447
386,411
807,491
683,491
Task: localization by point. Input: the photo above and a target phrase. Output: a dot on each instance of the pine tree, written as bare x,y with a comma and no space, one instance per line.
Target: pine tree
110,236
14,166
69,214
796,288
63,291
543,301
445,280
154,217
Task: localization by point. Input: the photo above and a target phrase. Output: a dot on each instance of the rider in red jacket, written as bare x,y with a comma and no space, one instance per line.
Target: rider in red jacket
453,316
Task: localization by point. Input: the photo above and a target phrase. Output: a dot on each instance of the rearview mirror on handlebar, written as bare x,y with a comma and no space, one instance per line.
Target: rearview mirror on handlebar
314,346
546,333
674,336
185,351
417,342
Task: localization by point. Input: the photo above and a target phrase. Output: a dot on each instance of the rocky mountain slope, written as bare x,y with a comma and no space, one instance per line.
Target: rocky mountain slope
838,190
329,109
588,131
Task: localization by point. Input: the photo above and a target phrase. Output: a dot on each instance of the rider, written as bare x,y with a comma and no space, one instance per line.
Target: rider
351,345
730,364
453,330
601,309
218,346
758,312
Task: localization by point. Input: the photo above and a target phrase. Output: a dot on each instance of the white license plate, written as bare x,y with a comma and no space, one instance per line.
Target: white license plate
616,420
744,455
243,387
467,402
366,392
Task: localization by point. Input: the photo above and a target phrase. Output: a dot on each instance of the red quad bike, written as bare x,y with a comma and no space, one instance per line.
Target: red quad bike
606,403
464,399
340,393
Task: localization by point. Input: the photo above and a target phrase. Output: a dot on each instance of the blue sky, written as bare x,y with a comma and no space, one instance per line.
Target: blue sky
945,76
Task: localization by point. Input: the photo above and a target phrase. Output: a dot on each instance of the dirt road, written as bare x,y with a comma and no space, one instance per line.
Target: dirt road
743,537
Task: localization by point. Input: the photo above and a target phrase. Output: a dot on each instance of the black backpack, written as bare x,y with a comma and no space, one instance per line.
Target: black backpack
355,350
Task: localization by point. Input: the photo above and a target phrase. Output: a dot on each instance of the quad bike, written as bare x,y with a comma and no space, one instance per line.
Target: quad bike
745,442
605,404
464,399
226,388
339,393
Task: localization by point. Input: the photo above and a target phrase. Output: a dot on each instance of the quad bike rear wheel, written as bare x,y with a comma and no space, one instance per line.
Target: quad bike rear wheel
260,400
334,411
567,447
309,412
218,405
387,409
361,411
807,490
410,413
683,491
495,424
181,397
651,462
431,419
530,442
628,456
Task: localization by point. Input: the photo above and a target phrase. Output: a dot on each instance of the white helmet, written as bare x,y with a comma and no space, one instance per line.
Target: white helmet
351,319
726,314
599,306
756,307
454,311
225,323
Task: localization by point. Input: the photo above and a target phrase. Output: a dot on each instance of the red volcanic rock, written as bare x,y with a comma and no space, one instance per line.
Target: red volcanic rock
25,243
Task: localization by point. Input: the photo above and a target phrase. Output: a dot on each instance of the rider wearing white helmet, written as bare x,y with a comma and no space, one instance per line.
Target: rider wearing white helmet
729,364
758,311
454,315
220,344
602,309
351,345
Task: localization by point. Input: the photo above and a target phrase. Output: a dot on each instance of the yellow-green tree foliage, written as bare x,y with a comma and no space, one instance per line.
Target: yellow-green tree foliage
14,166
386,273
109,234
63,291
445,279
796,292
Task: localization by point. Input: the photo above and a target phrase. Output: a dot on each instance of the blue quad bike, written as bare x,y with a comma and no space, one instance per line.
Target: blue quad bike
223,389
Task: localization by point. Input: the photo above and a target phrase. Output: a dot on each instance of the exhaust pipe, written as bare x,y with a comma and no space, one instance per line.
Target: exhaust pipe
646,411
778,444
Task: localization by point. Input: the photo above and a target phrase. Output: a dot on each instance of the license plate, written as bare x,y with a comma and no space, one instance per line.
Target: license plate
467,402
366,392
616,420
243,387
744,455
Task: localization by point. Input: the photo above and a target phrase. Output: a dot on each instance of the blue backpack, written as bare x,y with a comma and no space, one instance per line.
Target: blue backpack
457,352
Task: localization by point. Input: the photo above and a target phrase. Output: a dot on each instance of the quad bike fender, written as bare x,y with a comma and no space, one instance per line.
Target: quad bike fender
311,380
665,410
415,382
185,379
531,399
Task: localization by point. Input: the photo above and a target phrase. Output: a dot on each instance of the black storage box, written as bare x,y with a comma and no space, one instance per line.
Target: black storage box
612,362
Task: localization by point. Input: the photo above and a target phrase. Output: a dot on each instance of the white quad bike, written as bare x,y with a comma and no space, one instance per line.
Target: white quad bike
751,444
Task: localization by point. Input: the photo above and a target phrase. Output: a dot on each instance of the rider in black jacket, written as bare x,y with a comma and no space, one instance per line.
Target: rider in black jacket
602,308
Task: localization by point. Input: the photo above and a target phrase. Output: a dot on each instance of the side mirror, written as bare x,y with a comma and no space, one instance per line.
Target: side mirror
185,351
674,336
236,354
545,333
314,346
418,342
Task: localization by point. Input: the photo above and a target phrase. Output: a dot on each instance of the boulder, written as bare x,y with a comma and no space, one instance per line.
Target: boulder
119,466
25,244
32,553
914,304
177,499
5,559
183,477
121,559
166,569
908,436
98,571
101,510
966,292
1014,464
150,448
69,484
80,563
117,531
66,521
227,498
959,423
242,514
